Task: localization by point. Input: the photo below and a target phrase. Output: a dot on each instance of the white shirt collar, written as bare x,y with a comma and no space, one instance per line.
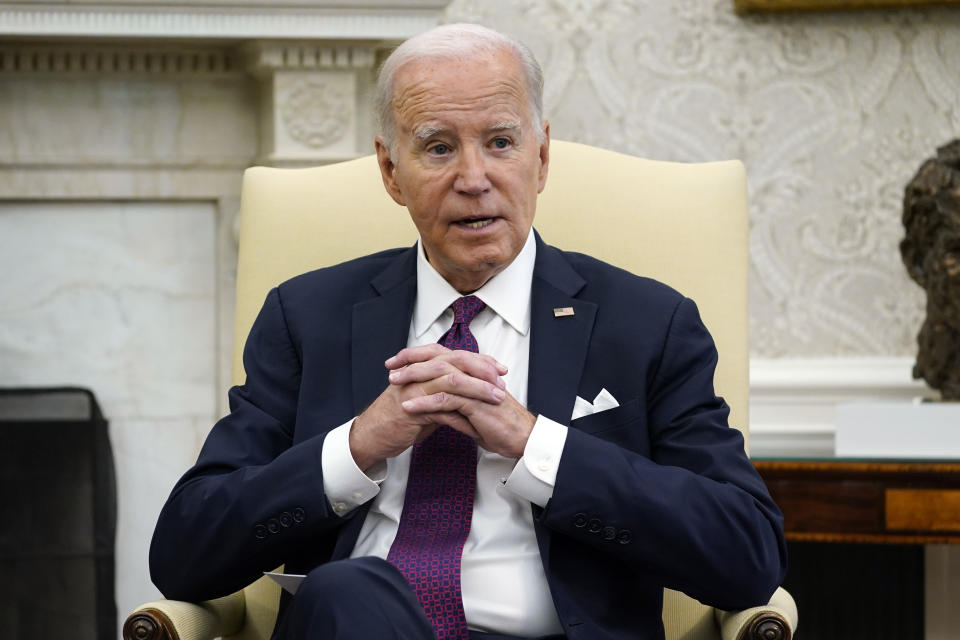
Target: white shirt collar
507,293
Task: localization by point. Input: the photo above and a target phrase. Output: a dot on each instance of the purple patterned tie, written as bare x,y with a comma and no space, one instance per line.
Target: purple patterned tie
438,506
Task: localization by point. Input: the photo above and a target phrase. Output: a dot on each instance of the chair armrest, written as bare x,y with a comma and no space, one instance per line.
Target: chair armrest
176,620
777,620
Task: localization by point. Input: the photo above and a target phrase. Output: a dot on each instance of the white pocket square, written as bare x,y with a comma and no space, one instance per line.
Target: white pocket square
602,402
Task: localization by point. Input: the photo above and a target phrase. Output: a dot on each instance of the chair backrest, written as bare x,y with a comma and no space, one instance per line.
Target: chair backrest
683,224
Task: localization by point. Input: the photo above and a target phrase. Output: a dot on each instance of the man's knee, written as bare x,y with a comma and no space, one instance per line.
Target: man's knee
355,599
341,579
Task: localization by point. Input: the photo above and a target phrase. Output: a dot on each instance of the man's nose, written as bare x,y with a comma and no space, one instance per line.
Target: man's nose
472,176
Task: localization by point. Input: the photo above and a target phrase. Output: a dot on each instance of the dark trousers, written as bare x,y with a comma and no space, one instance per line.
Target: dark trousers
360,599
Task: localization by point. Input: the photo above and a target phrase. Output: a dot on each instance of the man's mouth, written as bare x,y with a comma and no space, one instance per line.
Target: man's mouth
476,223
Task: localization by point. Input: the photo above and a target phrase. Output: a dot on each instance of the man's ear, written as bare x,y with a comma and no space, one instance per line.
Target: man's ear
388,171
544,157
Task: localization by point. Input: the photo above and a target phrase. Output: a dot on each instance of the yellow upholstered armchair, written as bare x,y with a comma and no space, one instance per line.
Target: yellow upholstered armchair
683,224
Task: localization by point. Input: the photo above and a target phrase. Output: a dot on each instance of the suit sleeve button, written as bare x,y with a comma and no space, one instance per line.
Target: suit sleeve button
609,534
260,532
624,536
580,520
594,525
273,525
299,515
286,519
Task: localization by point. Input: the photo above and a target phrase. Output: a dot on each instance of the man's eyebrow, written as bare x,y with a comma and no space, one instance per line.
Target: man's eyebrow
507,125
427,131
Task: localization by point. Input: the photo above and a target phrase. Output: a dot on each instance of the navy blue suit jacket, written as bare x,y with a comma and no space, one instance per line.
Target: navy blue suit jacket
656,492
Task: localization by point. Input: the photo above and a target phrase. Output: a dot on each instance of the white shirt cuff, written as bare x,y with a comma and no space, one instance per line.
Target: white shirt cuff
536,473
345,485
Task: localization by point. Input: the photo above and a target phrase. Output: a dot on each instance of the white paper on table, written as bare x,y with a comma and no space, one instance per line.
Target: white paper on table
289,581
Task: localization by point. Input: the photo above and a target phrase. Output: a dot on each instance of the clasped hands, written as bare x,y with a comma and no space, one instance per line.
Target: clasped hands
431,385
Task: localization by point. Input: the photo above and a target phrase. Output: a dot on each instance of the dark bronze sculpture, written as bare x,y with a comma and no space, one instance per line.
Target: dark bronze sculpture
931,253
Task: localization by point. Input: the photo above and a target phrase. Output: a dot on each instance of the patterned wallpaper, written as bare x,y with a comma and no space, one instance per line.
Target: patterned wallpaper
832,114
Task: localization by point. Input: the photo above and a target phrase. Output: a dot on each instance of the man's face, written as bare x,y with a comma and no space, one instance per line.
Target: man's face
468,164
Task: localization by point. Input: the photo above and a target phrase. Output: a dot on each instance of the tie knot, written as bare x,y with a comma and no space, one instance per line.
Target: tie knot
466,308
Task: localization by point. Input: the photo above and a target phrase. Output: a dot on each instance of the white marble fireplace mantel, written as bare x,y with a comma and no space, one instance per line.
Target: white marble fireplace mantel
223,19
314,60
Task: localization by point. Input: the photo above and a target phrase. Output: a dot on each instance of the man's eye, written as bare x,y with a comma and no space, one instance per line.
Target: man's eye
439,149
501,143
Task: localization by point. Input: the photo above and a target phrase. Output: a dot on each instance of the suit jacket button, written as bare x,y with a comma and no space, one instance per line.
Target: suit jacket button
260,532
594,525
273,525
299,515
286,519
624,537
580,520
609,534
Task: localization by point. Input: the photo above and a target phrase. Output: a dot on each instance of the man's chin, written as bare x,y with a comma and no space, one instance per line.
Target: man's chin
468,276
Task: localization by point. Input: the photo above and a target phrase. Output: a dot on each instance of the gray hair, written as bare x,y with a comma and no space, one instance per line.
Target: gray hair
454,41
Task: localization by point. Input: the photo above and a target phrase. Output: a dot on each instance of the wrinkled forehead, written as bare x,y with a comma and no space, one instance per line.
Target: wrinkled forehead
460,80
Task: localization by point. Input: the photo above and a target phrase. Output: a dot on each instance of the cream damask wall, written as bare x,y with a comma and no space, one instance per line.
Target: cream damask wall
831,112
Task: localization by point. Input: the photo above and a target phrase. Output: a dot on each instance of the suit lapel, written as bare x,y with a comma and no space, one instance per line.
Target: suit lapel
380,327
558,344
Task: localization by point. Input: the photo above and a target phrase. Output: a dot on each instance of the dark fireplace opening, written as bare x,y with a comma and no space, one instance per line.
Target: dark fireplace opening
57,516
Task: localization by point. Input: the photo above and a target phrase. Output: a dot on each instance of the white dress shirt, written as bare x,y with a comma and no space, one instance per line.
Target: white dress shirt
503,583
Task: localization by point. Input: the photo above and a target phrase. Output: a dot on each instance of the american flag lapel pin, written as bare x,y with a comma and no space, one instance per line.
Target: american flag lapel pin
562,312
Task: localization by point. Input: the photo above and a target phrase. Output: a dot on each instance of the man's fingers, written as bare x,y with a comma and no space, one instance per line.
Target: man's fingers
414,354
433,403
454,381
439,403
441,408
421,371
477,365
445,362
502,428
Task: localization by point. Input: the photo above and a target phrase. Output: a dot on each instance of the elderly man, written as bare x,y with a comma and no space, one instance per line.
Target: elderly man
464,501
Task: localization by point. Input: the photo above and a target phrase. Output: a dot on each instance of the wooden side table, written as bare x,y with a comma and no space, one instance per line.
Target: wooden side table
901,502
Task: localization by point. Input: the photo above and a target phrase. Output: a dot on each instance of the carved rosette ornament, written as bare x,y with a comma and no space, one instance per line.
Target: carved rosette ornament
931,253
316,113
